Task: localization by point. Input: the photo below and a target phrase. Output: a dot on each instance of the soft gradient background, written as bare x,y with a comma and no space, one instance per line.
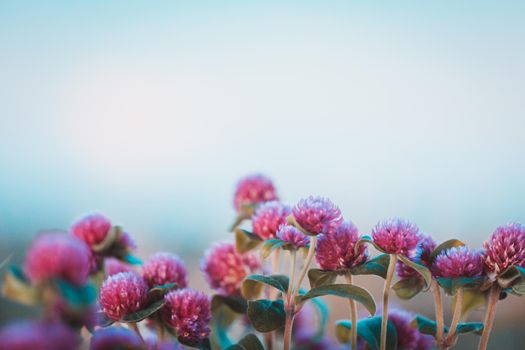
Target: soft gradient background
150,111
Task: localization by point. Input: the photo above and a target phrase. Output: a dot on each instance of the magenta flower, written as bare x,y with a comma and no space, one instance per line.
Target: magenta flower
115,338
165,345
123,294
396,236
292,236
57,255
268,217
505,248
163,268
252,190
112,266
421,255
458,262
317,215
407,336
32,335
424,342
336,250
188,312
224,268
92,229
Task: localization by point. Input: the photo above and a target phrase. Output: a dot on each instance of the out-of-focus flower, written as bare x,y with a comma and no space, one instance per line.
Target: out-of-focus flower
421,255
292,236
57,255
92,229
505,248
165,345
396,236
407,336
424,342
252,190
317,215
188,312
113,266
224,268
112,338
336,250
123,294
32,335
268,217
458,262
163,268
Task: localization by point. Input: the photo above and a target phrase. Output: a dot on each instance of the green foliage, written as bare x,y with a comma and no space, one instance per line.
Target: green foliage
451,285
451,243
246,240
368,329
409,287
266,315
421,269
16,287
426,326
248,342
513,278
253,285
143,313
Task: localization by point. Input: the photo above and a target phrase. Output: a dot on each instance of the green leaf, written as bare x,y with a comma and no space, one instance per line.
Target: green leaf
472,299
76,297
144,313
235,303
356,293
426,326
133,260
470,327
368,329
422,270
16,287
248,342
514,278
266,315
158,292
377,266
222,318
451,285
112,236
253,284
318,277
451,243
367,240
246,241
408,288
270,245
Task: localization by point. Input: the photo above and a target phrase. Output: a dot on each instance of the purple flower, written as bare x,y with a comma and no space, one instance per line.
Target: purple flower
407,336
505,248
165,345
112,266
317,215
268,217
163,268
57,255
252,190
424,342
188,312
396,236
421,255
92,229
32,335
336,250
292,236
224,268
458,262
123,294
115,338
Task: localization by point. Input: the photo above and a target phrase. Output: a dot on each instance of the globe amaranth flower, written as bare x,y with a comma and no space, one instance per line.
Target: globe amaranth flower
188,312
292,236
152,344
253,190
505,248
407,336
224,268
420,255
115,338
163,268
458,262
112,266
317,215
31,335
57,255
123,294
336,250
94,228
268,217
396,236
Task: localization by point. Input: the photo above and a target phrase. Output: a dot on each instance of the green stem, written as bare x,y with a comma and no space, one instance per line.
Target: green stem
386,293
308,261
288,329
455,318
353,315
489,316
272,294
440,322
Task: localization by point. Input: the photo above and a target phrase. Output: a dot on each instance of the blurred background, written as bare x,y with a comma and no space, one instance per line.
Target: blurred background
150,112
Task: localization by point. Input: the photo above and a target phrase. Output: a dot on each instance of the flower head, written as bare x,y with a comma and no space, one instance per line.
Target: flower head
252,190
396,236
407,336
292,236
115,338
163,268
421,255
224,268
505,248
165,345
458,262
92,229
123,294
113,266
57,255
336,250
29,335
424,342
268,217
317,215
188,312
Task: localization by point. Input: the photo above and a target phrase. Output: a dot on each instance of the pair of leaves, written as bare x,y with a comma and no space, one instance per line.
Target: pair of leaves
16,287
513,278
253,285
451,285
368,329
426,326
246,240
266,315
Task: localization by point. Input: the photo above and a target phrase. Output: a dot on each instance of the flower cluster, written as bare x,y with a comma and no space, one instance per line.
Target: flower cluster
268,217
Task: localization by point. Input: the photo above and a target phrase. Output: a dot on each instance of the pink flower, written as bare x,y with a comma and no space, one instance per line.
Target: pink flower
57,255
224,268
505,248
336,250
32,335
188,312
123,294
112,266
115,338
396,236
292,236
424,342
163,268
421,255
407,336
252,190
165,345
458,262
317,215
268,217
92,229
